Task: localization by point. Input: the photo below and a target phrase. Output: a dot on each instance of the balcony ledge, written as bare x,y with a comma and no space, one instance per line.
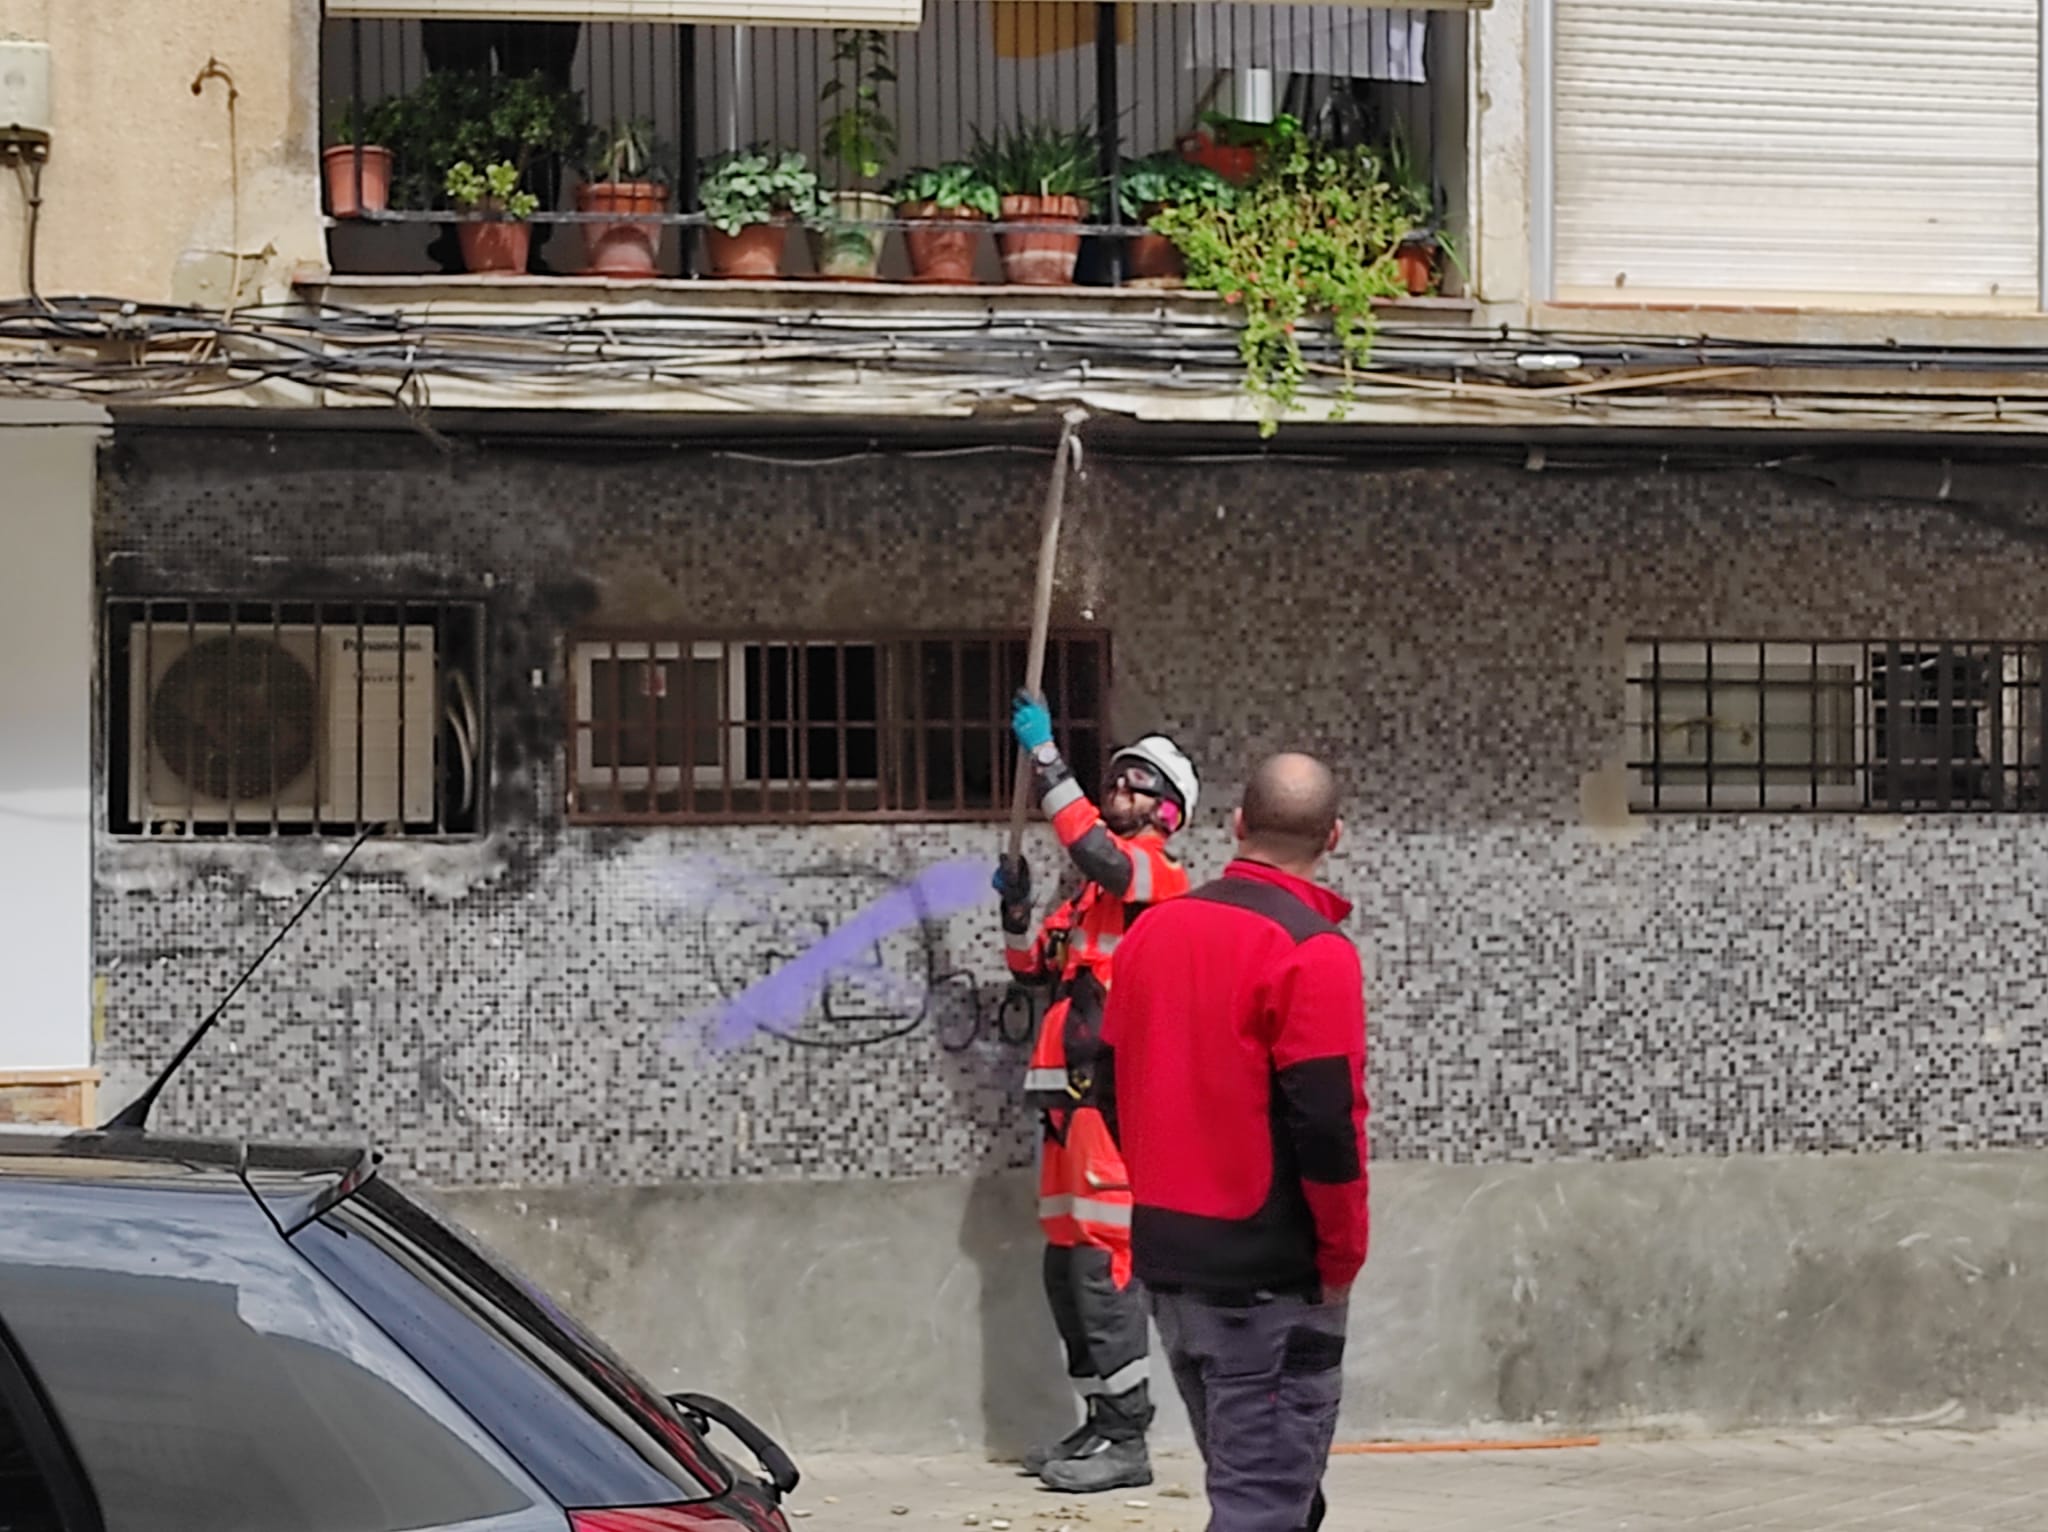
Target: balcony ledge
580,294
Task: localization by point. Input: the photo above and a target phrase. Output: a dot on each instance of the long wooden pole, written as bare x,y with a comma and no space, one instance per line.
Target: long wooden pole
1064,457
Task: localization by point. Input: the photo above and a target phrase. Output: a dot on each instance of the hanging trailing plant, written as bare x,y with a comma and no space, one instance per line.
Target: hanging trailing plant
1311,237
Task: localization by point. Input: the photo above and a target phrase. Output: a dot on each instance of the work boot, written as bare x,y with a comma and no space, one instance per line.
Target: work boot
1100,1465
1073,1442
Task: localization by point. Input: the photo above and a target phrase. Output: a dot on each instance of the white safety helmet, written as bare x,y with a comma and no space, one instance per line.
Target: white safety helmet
1171,762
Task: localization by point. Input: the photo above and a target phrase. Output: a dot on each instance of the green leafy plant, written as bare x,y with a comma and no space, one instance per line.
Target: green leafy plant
860,136
1236,133
626,151
1413,191
1038,160
1311,237
494,189
1166,179
374,122
953,187
485,119
752,186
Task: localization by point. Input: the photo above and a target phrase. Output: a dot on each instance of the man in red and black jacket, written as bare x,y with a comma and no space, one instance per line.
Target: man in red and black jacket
1234,1061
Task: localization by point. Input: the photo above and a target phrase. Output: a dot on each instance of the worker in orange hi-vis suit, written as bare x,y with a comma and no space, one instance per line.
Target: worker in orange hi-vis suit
1084,1199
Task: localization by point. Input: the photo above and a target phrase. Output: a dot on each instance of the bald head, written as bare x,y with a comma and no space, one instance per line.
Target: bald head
1289,813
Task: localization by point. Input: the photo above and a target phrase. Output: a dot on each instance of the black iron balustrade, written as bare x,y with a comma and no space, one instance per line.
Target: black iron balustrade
1146,77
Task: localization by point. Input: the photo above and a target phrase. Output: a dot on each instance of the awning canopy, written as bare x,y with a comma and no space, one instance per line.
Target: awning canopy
905,15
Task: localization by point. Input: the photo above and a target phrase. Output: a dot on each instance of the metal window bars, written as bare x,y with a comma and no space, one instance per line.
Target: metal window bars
235,718
1893,726
670,727
1143,76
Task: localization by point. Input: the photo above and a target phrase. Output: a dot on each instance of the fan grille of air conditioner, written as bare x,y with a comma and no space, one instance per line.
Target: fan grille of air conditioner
236,719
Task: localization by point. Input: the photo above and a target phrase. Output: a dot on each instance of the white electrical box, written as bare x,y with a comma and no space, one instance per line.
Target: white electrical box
24,93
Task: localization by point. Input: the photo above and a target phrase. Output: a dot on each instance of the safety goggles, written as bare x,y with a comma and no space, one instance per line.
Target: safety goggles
1137,777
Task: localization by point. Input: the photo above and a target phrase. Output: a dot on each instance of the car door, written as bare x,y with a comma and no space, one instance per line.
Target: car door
210,1379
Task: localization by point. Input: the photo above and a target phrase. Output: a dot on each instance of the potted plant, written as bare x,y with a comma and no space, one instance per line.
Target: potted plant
859,138
750,197
1421,245
1232,147
1312,237
468,116
1151,187
1043,175
499,239
484,119
362,135
945,204
623,177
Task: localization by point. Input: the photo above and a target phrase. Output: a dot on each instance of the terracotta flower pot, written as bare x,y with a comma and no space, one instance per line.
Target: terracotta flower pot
1236,163
626,248
756,251
1151,257
499,246
340,165
1416,256
848,251
1033,258
944,251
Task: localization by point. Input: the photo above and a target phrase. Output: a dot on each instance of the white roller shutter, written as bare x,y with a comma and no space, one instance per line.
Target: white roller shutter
1872,151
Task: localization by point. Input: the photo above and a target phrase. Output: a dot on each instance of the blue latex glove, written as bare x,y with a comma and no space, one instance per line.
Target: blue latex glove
1029,721
1012,880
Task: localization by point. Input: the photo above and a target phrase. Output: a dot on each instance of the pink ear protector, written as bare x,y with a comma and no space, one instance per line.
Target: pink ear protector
1141,778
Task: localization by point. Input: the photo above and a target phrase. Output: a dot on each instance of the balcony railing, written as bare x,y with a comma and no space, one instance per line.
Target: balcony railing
1115,86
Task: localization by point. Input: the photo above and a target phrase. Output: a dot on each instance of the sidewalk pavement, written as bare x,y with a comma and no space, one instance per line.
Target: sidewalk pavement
1955,1481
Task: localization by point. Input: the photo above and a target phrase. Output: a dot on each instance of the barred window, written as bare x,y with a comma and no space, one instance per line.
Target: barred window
233,718
1878,727
675,727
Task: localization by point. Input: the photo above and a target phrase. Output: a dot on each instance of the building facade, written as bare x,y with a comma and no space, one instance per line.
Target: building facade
1667,591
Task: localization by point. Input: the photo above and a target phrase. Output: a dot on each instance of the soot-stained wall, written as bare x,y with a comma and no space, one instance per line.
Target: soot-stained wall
1546,977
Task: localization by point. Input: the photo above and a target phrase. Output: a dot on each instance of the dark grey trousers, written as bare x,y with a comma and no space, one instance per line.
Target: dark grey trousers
1102,1327
1262,1383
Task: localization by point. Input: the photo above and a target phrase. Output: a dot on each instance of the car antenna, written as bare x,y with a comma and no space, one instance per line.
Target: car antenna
135,1115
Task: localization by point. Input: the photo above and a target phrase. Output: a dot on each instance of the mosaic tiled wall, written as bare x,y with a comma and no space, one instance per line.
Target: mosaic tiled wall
1540,985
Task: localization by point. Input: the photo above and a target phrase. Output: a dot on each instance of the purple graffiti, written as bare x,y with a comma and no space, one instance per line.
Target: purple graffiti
784,997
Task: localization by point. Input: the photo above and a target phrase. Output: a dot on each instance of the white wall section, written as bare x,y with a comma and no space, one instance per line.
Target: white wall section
46,690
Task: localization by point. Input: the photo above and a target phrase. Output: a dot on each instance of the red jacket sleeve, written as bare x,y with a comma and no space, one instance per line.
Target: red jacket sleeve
1318,1047
1133,868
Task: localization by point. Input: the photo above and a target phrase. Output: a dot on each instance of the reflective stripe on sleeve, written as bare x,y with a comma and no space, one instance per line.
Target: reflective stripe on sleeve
1060,795
1140,891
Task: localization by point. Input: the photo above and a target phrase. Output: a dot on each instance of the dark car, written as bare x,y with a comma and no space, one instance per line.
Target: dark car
215,1337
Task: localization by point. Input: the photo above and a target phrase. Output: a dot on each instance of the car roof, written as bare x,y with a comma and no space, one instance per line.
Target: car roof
295,1182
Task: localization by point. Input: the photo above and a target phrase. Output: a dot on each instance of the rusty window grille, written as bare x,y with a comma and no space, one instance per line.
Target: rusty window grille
230,718
668,727
1888,727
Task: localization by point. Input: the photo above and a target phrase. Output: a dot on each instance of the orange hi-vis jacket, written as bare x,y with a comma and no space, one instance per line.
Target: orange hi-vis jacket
1083,1190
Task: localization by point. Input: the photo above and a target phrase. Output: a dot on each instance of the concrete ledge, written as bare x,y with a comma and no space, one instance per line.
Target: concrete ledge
1710,1293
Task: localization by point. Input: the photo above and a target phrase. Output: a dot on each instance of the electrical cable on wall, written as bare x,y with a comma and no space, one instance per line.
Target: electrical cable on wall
109,350
28,164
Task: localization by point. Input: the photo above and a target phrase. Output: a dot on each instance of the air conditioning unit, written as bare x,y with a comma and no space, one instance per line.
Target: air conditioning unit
325,725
